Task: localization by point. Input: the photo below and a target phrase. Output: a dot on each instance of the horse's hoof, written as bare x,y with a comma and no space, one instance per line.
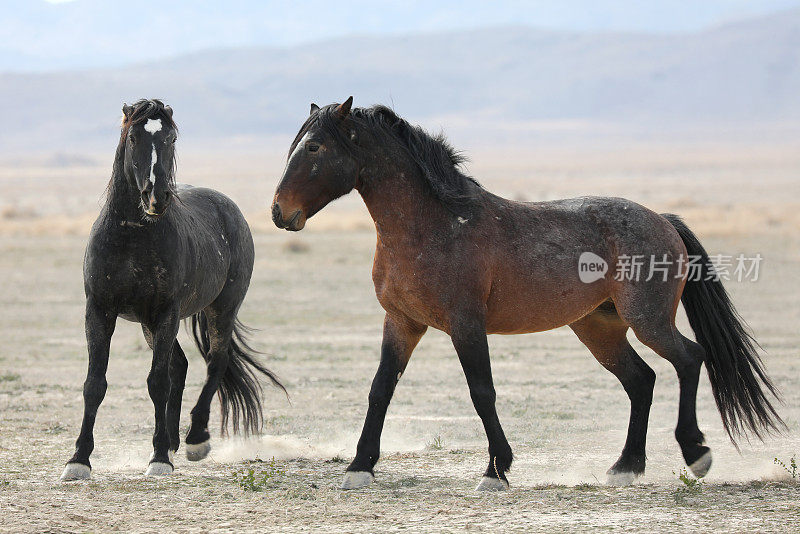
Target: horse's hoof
700,467
158,469
76,471
197,451
357,479
620,478
492,484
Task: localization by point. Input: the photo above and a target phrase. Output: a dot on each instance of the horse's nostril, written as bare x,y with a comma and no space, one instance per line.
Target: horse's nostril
277,216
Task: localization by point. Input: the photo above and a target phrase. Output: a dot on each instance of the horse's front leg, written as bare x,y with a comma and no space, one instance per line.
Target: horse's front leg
469,339
400,336
178,366
164,330
99,328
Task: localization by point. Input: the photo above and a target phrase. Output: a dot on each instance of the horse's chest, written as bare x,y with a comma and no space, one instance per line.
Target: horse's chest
126,281
406,286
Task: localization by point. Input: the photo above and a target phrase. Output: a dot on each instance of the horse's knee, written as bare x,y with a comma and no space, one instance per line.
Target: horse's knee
483,394
379,398
157,384
483,398
94,390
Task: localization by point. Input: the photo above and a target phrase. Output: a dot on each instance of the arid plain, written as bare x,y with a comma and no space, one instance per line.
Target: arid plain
312,301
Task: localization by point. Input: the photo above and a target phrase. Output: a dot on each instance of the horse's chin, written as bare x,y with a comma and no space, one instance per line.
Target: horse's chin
153,216
297,222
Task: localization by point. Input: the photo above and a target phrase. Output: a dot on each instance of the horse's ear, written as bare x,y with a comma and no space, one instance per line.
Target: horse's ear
126,112
314,108
343,109
168,110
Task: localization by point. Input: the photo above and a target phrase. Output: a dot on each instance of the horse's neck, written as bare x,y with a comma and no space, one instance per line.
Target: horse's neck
399,203
123,199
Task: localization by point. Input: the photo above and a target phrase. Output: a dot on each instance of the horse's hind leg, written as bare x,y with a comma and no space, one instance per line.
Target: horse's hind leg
686,357
604,334
220,330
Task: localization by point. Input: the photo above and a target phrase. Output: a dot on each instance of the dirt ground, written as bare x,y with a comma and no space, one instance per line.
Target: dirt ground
313,302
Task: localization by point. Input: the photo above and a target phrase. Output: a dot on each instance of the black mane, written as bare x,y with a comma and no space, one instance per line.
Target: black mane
441,165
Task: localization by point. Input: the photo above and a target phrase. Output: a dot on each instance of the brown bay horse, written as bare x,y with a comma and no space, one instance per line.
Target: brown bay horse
452,256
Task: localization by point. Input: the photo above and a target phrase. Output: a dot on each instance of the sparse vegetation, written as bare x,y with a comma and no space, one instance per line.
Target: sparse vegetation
435,444
9,377
691,486
791,469
267,475
54,428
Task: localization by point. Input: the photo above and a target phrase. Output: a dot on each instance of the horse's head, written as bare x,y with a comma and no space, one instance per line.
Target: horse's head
149,134
321,166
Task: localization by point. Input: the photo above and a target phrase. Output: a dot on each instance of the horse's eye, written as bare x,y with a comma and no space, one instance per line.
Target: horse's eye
312,147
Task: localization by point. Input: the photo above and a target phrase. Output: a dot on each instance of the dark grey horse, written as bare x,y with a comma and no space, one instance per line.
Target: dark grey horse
158,254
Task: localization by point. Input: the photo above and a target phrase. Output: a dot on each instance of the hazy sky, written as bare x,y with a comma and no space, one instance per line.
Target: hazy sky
59,34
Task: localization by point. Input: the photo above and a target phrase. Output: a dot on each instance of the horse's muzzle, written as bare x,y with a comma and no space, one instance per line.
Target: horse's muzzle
155,206
295,223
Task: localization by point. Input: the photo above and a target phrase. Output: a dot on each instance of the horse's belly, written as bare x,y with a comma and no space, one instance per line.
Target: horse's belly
195,297
526,310
526,323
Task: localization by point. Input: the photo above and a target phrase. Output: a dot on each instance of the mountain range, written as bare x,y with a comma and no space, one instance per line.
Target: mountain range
509,78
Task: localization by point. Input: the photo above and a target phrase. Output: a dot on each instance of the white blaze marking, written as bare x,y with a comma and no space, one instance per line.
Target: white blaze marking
299,146
462,220
153,160
152,126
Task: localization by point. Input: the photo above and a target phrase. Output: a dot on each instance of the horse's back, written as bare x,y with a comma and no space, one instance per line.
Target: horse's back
540,248
603,222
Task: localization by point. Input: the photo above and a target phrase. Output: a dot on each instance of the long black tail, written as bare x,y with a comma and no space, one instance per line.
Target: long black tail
239,390
738,378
